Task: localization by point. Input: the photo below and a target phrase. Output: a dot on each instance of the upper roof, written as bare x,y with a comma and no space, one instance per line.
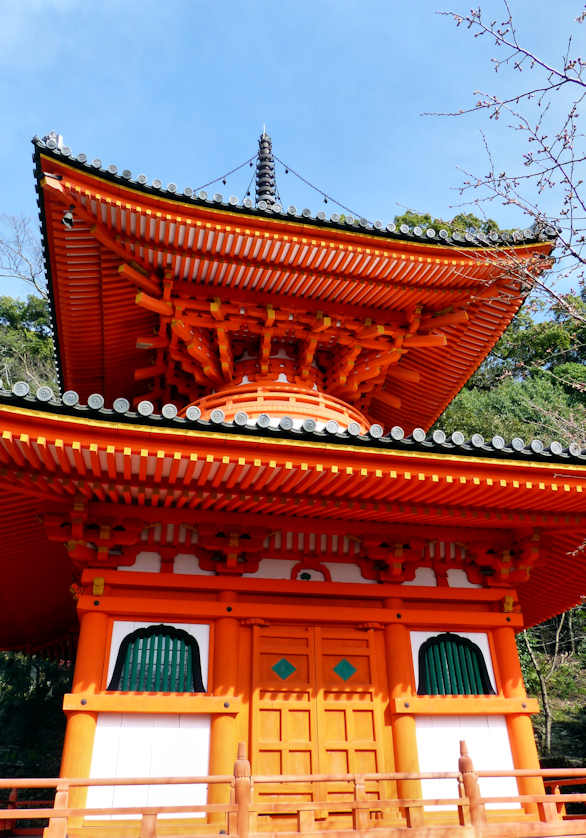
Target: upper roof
440,301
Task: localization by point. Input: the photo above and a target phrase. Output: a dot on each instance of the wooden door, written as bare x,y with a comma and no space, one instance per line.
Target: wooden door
318,700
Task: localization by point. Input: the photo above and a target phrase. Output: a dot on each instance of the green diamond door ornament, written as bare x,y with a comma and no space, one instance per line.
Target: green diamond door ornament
344,669
283,669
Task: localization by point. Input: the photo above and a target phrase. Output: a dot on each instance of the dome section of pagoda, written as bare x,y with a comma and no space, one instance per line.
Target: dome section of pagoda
279,401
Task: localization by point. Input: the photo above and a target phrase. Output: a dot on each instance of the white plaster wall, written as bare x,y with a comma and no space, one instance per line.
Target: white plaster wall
146,562
273,569
281,569
418,638
342,572
438,747
121,628
188,564
149,745
457,578
423,576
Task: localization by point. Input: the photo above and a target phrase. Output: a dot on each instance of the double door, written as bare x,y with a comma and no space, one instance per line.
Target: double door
319,695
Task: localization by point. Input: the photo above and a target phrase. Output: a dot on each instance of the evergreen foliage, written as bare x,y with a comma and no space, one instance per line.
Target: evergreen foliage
31,715
26,345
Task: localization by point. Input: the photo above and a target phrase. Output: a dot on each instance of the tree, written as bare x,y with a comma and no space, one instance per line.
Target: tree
462,222
26,345
545,115
532,384
21,255
31,714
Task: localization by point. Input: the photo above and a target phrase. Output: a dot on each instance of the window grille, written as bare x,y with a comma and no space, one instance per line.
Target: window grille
158,659
452,665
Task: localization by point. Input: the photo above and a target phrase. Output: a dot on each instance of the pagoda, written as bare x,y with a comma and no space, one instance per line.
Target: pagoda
236,507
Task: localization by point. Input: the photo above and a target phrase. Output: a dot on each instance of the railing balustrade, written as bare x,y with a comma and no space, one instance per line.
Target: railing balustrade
467,817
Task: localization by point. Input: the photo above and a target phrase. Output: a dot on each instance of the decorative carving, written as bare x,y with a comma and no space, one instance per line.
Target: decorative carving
506,567
390,562
106,543
231,551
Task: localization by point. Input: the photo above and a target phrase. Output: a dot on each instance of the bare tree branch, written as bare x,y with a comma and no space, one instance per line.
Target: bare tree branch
21,255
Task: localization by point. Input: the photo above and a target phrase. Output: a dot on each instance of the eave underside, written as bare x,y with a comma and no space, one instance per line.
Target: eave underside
171,254
50,462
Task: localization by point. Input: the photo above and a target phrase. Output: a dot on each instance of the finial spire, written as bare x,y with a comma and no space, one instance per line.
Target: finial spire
266,189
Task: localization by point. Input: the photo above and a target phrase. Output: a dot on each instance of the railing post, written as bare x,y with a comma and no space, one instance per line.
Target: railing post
548,811
242,791
5,824
148,826
360,815
560,807
470,781
58,826
463,808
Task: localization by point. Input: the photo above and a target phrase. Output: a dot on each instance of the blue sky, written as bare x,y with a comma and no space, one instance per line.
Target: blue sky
180,89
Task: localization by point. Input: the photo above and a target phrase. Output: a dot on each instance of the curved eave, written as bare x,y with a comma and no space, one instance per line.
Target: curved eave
97,322
47,459
359,227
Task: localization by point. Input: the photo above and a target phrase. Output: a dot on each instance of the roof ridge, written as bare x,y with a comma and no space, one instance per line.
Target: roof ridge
265,208
418,440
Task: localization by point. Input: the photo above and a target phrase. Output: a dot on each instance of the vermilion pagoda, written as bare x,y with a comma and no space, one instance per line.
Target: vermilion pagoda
264,543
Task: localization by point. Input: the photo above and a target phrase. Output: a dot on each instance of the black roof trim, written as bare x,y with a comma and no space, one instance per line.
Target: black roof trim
305,216
47,264
437,443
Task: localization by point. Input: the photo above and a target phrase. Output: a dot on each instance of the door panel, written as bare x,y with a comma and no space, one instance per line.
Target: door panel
284,733
318,701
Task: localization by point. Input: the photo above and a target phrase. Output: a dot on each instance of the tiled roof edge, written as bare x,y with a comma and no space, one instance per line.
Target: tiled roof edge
304,216
437,443
47,265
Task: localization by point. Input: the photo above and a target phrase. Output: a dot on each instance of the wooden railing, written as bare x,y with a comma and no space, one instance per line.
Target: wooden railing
539,815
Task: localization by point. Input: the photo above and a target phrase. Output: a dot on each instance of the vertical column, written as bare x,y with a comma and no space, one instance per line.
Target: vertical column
81,725
223,733
399,668
521,737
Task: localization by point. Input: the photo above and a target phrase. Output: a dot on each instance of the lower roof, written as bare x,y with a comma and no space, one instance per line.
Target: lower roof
157,469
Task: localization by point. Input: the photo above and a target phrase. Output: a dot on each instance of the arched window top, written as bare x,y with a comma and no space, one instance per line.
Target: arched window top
452,665
158,658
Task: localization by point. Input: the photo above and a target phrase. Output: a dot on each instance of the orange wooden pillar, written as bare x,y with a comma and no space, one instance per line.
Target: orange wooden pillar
399,669
223,732
521,736
87,677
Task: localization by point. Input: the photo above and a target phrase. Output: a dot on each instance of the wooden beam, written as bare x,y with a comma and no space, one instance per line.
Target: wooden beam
412,376
138,278
388,399
413,341
153,304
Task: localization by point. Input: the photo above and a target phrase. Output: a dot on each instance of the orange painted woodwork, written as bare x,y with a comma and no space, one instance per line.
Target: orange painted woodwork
353,306
401,681
317,706
310,554
153,475
223,731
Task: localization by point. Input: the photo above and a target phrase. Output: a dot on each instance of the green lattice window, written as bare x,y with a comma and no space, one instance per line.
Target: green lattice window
452,665
158,659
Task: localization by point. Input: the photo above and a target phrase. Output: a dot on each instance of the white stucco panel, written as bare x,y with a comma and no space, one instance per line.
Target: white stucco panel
438,748
149,745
